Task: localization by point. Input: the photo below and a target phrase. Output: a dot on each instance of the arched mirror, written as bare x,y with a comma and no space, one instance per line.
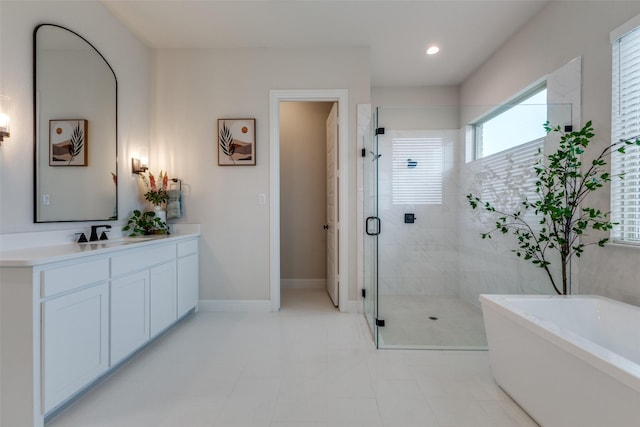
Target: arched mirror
75,120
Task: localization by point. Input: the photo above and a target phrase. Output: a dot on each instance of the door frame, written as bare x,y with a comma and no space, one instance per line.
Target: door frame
310,95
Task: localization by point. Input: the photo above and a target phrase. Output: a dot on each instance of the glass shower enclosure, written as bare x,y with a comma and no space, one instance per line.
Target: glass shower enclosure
425,262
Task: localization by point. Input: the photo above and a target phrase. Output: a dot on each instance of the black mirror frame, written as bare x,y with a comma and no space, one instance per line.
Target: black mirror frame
35,123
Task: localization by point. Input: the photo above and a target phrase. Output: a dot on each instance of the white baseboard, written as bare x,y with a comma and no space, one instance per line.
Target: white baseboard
257,306
235,305
303,283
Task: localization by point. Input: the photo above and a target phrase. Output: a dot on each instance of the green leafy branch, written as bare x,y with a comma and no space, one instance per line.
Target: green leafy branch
561,187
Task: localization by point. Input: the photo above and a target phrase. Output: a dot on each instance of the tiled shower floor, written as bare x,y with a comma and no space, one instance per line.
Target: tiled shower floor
439,322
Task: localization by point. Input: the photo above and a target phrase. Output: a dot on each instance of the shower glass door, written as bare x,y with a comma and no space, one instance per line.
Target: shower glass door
419,303
426,262
370,237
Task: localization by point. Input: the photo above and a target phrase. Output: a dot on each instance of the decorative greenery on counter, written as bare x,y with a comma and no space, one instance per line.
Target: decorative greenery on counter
145,223
562,187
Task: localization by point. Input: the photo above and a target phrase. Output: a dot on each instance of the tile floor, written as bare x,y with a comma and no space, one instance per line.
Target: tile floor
458,324
306,366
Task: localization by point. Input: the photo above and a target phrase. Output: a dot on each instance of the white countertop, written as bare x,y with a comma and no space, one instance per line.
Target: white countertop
32,256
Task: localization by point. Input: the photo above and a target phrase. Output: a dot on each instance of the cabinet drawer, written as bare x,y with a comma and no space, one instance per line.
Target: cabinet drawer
187,248
68,277
139,259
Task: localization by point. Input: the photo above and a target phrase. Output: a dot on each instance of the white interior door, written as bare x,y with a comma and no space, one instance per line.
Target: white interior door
333,220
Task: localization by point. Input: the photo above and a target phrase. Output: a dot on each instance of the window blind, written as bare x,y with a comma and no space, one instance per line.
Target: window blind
505,179
625,124
417,171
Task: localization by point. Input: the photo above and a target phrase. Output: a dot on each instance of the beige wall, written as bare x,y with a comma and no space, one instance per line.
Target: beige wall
562,31
414,96
195,87
303,159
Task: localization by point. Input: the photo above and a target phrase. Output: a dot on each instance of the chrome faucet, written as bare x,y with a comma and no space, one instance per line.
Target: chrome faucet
94,233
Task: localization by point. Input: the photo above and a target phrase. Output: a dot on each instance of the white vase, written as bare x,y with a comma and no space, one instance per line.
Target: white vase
160,213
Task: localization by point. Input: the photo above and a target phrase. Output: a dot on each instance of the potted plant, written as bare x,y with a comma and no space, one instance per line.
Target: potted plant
563,184
145,223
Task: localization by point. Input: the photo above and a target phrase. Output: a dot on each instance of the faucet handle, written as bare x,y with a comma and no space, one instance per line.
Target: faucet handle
82,238
94,232
104,236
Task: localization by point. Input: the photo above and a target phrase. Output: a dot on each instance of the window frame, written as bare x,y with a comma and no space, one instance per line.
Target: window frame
477,143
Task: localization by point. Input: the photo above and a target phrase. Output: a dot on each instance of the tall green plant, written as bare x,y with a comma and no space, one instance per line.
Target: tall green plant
563,183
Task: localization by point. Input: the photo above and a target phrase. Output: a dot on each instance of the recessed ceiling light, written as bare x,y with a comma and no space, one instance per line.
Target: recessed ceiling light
432,50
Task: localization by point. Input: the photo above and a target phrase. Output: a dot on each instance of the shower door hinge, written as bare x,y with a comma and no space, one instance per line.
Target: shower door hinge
380,131
380,323
364,293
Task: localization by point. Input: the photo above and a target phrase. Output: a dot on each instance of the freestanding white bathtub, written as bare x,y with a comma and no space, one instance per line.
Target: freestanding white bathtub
568,361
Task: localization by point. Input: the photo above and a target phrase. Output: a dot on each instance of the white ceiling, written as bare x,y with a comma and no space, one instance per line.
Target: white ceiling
397,32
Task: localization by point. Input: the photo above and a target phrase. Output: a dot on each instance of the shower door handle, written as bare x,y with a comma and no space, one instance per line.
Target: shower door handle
367,228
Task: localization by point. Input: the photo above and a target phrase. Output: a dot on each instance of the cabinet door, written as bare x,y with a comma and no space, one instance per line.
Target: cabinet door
187,283
163,297
129,314
74,342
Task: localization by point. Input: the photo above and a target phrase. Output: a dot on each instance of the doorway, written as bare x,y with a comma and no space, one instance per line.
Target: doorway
307,199
276,97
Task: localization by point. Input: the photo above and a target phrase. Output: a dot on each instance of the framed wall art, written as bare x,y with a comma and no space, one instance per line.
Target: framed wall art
68,142
236,142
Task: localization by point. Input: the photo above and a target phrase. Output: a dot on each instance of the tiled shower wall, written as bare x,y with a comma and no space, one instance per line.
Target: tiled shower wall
442,253
419,258
489,265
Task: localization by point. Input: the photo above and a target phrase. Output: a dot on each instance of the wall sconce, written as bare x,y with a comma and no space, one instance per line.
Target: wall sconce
137,166
5,119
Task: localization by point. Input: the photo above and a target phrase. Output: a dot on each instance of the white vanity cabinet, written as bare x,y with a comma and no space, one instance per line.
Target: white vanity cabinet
156,267
187,276
65,321
75,338
129,314
163,297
